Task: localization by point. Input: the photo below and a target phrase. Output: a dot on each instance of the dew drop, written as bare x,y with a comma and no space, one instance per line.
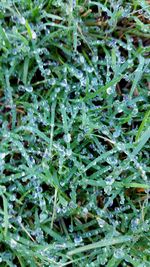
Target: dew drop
2,155
108,189
109,180
85,211
29,89
119,253
82,59
95,59
78,239
22,20
68,152
67,138
34,36
13,243
101,222
109,90
43,216
134,223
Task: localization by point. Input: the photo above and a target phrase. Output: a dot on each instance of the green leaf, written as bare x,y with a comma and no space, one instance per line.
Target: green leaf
103,243
144,138
138,74
6,221
143,124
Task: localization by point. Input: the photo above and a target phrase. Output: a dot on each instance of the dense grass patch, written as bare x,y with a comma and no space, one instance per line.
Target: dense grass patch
75,128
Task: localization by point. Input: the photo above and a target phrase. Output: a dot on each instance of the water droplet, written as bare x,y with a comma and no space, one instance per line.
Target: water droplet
112,161
64,83
82,59
120,146
22,20
83,81
119,253
130,61
43,216
19,219
67,138
135,111
78,239
119,109
89,69
129,47
29,88
122,59
68,152
95,59
101,222
109,180
2,189
134,223
85,211
2,155
122,199
112,43
104,130
12,197
117,133
47,72
110,90
13,243
70,228
108,189
58,210
34,36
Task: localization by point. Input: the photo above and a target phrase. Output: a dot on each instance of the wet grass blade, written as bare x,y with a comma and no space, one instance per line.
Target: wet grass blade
102,243
142,141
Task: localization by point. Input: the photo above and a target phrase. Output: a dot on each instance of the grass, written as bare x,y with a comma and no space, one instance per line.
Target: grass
75,128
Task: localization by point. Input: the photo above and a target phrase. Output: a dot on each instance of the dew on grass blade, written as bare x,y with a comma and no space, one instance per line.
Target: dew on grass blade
67,138
34,35
101,222
82,60
27,88
88,152
109,180
13,243
78,239
13,197
119,253
22,20
89,69
135,223
117,133
108,189
64,83
120,146
112,160
19,219
43,216
95,59
2,155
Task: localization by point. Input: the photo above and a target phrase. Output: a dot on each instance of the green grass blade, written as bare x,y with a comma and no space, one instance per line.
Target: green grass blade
142,125
6,220
102,243
144,138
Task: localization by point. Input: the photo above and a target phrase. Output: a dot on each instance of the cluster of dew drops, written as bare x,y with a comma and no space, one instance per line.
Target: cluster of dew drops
72,87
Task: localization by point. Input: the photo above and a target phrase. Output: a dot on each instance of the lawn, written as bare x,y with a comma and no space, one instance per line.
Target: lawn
74,133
